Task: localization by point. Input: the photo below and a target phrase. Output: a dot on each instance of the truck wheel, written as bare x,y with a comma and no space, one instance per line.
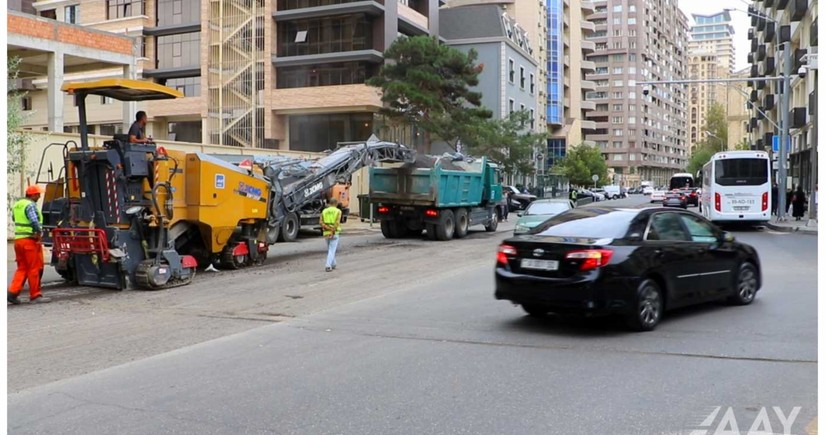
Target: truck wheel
446,227
387,229
462,223
431,231
492,226
289,228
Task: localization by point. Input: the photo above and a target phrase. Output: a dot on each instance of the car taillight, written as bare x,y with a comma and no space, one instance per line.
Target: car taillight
591,258
693,194
503,252
431,213
383,209
717,202
765,201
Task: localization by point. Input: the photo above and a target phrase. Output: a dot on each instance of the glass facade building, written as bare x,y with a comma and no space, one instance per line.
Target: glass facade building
555,68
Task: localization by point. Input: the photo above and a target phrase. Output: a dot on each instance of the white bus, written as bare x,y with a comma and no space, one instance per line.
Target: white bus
681,181
736,187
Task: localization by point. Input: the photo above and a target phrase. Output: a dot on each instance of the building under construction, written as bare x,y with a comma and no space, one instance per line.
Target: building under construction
279,74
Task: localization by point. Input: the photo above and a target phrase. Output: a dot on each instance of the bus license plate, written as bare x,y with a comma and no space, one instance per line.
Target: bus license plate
741,208
539,264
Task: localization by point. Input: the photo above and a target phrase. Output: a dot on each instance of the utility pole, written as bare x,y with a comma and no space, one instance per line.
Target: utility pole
785,132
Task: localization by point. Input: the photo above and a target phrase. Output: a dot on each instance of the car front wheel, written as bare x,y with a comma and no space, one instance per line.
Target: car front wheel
746,285
649,307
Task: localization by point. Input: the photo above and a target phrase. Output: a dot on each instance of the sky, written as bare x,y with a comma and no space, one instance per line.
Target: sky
741,22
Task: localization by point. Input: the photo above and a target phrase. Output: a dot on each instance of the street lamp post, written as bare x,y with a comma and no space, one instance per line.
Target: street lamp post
721,144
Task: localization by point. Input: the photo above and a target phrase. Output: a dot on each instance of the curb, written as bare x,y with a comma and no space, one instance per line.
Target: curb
787,229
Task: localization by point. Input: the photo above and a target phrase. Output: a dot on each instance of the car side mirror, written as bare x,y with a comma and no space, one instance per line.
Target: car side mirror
728,237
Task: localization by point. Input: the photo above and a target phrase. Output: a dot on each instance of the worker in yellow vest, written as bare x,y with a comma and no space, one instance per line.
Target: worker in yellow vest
28,250
331,225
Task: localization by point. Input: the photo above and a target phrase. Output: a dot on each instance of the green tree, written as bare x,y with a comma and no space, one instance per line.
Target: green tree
716,122
581,163
509,141
699,158
743,145
428,84
17,139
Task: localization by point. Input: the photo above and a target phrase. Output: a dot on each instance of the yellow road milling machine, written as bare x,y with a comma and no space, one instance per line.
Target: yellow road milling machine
137,213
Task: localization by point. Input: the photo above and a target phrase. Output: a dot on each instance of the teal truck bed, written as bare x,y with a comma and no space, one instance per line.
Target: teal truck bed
447,198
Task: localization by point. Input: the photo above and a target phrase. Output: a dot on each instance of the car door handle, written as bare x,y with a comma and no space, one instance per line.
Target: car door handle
659,253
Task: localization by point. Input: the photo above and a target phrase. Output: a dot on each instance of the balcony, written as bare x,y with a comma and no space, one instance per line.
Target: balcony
412,20
588,27
588,105
798,9
588,85
588,47
588,8
588,65
589,125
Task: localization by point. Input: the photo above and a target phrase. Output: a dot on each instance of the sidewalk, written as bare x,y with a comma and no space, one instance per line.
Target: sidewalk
804,226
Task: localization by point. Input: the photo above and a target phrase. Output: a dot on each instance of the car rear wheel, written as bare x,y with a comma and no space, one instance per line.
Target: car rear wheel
649,307
535,310
746,285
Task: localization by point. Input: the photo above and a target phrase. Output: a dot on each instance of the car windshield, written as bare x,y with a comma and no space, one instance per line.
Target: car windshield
596,223
541,208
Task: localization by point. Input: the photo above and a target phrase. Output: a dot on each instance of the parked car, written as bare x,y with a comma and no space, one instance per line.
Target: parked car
600,191
647,190
539,211
675,198
596,195
615,192
657,195
631,262
584,193
520,200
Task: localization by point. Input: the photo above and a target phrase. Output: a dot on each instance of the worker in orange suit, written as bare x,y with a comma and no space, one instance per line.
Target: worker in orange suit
28,250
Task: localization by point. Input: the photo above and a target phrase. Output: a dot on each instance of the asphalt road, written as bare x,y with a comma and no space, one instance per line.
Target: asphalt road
407,338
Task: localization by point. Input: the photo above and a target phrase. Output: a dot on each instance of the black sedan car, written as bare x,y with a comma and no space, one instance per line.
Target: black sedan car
675,198
692,194
631,262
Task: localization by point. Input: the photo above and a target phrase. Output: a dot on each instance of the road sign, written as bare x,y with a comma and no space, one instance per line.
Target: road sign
775,144
595,177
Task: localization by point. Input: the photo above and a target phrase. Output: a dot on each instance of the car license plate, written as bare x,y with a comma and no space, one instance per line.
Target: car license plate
741,207
539,264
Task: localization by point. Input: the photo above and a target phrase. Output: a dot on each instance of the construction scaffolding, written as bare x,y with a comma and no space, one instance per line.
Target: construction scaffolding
236,72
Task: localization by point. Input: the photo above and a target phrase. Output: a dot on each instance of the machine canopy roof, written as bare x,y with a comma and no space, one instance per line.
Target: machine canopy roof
123,89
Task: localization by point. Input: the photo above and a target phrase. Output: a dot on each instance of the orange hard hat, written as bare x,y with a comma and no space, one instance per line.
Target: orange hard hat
33,190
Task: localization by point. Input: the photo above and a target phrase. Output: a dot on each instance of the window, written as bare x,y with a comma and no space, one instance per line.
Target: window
190,86
666,227
521,77
312,36
618,83
618,107
631,8
512,106
618,132
71,14
532,119
699,230
124,8
631,20
26,103
617,21
617,8
632,157
532,83
175,51
631,119
326,74
617,120
617,157
617,95
512,71
617,144
617,32
617,70
741,172
173,12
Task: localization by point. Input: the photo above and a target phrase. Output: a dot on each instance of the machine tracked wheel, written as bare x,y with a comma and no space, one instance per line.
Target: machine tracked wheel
231,261
144,282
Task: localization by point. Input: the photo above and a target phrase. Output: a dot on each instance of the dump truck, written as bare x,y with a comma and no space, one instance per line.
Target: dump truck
443,196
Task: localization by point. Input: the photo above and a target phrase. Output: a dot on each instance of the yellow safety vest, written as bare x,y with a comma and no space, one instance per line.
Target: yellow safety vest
22,225
330,216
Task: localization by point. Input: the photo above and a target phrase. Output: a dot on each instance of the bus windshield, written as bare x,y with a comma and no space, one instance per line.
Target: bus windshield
681,182
741,172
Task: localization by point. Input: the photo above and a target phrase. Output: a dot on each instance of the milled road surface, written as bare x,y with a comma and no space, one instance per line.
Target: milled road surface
406,338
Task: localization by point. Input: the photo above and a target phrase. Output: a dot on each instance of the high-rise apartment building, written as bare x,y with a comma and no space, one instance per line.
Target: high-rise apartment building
711,56
773,25
530,17
284,74
643,137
